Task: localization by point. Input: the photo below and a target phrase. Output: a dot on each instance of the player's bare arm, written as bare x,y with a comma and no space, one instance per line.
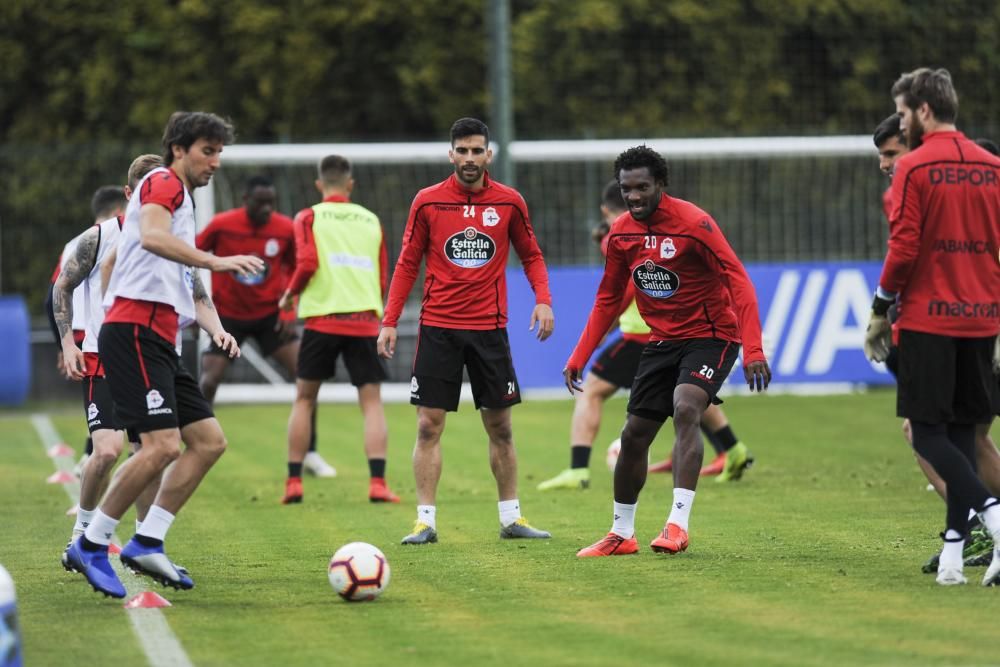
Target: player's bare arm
387,342
107,266
157,238
208,316
546,320
76,270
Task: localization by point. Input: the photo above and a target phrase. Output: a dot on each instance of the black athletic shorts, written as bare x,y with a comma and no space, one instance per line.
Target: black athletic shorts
319,351
263,331
704,362
943,379
98,405
150,387
619,362
443,353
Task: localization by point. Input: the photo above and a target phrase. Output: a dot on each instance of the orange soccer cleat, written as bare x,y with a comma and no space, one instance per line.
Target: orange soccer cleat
716,467
666,465
378,492
672,540
293,491
610,545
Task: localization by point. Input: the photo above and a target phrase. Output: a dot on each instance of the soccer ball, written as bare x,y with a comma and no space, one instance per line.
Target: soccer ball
614,449
359,571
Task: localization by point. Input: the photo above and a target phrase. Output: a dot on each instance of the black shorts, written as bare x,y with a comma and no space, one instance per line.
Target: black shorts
98,405
704,362
945,380
264,331
443,353
619,362
319,351
150,388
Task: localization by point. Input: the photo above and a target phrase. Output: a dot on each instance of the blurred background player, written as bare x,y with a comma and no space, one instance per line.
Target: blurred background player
696,296
616,368
945,220
340,279
81,275
248,306
153,290
107,202
463,227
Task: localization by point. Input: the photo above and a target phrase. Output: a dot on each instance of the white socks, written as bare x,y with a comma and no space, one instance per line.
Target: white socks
101,528
991,517
680,510
510,511
156,523
83,519
426,514
951,552
624,525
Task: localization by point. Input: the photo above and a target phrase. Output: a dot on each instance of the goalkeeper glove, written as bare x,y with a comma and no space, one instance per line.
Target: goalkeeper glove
878,335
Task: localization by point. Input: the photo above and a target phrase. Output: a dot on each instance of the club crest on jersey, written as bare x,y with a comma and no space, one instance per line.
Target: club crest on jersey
667,249
654,280
257,277
470,248
271,248
490,217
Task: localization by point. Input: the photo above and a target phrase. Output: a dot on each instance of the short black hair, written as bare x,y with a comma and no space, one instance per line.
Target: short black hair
888,129
258,181
186,127
469,127
989,145
611,198
643,156
334,170
106,200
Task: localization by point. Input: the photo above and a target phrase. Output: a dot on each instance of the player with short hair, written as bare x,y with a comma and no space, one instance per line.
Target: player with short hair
463,227
340,280
699,302
153,290
248,307
615,368
941,263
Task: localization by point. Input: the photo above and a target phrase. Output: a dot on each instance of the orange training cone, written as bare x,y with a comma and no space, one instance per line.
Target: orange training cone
62,449
147,600
61,477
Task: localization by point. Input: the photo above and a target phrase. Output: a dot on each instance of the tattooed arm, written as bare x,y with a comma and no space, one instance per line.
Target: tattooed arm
208,317
75,271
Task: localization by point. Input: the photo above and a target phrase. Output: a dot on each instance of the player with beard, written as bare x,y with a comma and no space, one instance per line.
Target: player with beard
153,290
699,302
463,227
248,307
944,234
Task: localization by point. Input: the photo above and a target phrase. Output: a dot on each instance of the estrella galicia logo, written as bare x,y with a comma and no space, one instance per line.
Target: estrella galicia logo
470,248
255,278
654,280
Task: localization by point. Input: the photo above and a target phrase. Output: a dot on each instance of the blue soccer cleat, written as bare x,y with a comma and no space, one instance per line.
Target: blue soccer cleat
95,566
153,562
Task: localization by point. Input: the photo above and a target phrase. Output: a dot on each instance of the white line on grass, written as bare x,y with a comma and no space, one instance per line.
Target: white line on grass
150,625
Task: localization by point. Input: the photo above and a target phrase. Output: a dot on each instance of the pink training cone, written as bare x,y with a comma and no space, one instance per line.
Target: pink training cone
61,477
147,600
62,449
114,549
73,510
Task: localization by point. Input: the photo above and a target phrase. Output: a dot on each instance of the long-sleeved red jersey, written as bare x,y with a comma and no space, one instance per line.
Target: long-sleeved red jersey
466,237
944,236
688,282
232,233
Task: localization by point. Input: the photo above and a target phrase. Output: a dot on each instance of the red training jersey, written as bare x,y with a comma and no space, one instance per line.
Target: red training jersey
887,202
688,282
944,237
466,238
233,233
342,324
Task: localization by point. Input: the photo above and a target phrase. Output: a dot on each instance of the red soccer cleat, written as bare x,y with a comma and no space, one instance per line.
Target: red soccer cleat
666,465
293,491
378,492
611,545
672,540
716,467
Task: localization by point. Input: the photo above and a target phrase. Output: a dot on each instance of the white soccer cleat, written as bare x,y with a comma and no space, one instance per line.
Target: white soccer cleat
992,576
951,576
314,464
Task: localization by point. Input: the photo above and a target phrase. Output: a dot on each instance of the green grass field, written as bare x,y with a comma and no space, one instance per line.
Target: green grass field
812,559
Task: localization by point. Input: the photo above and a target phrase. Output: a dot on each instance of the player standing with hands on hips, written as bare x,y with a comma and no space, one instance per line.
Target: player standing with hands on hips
464,227
696,297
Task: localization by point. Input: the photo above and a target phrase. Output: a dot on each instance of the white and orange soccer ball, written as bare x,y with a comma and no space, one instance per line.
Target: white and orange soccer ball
358,572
